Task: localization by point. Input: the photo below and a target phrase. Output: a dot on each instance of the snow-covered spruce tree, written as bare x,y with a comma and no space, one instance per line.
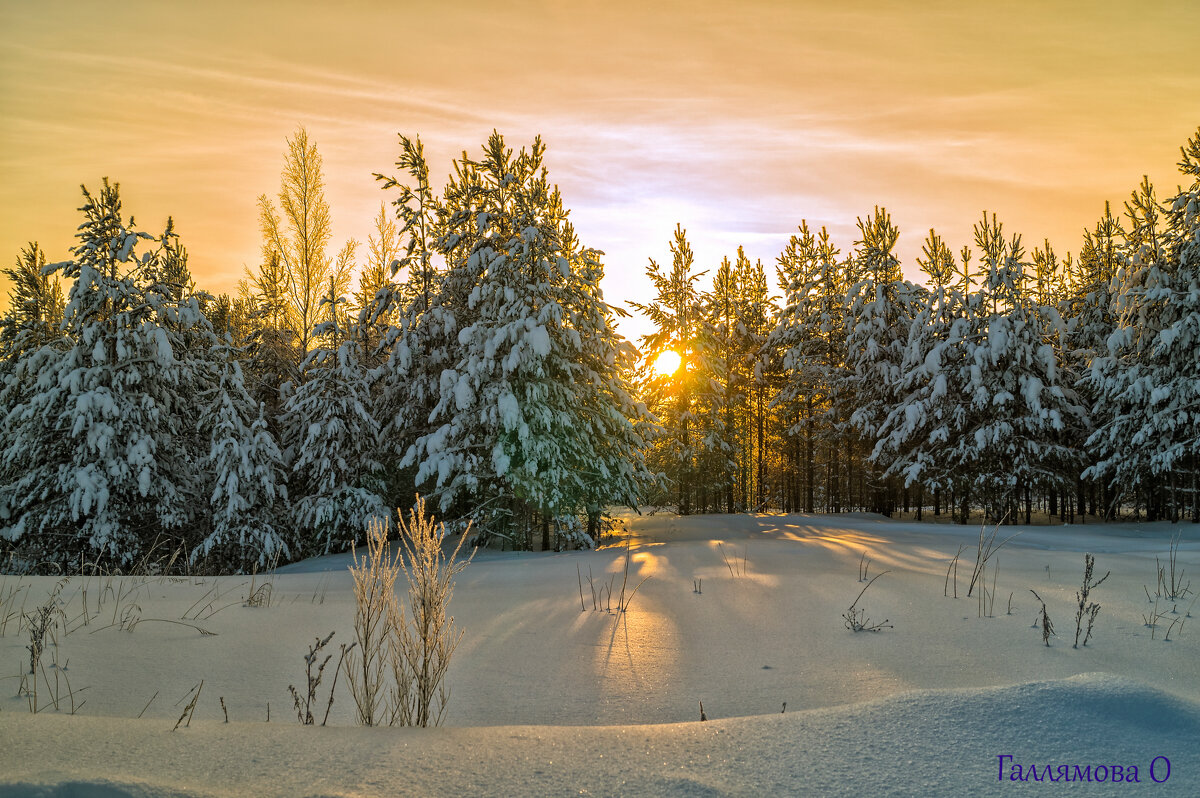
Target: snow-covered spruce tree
1053,288
331,437
515,423
1121,378
181,311
1148,384
247,475
99,449
618,428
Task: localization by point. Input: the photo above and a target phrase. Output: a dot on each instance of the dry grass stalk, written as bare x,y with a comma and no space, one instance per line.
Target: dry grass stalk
1086,609
305,704
740,570
190,708
987,547
260,595
425,637
375,599
579,578
856,619
1043,620
148,703
953,566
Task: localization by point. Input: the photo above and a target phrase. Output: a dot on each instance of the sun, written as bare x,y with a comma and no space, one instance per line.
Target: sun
667,363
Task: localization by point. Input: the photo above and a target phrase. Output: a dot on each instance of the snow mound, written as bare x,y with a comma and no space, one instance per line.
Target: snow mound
92,789
926,742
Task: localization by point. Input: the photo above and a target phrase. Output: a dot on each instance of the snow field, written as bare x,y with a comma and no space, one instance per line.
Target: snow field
549,699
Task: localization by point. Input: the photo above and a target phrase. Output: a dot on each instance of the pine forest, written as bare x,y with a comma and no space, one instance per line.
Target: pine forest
466,353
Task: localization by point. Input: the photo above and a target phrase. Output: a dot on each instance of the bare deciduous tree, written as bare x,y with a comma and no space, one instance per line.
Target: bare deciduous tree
297,233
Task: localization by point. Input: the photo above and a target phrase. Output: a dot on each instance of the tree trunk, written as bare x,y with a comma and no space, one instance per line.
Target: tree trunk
810,466
760,492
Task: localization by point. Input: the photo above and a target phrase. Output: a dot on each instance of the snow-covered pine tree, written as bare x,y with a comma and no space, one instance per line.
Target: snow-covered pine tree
30,345
809,342
422,339
1087,309
617,427
721,411
678,318
30,324
937,261
35,307
931,394
1008,441
1148,384
182,311
756,314
99,448
882,307
331,438
511,434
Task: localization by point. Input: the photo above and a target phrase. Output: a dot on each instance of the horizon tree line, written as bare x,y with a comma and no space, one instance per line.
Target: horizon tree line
1011,380
477,363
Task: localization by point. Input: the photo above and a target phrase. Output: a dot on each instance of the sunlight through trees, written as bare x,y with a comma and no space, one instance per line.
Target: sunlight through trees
477,361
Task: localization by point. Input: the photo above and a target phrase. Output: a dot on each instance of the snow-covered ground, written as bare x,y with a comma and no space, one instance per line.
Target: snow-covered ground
551,699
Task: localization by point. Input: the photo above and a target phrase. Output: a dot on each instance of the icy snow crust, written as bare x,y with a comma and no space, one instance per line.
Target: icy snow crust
548,699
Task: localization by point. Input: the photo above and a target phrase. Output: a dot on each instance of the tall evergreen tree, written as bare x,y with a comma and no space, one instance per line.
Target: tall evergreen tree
511,424
1011,440
35,306
809,339
247,476
331,438
720,449
756,311
1147,383
100,450
882,307
678,318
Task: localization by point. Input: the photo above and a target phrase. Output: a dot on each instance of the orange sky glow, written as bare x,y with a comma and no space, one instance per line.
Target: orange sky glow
736,120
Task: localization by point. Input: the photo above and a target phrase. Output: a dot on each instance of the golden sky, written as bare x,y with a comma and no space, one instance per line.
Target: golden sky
736,119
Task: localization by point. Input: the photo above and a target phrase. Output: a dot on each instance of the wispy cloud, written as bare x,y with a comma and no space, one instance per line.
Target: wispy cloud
736,121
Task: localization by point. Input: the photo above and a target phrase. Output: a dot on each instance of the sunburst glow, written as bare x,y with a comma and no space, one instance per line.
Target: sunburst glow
667,363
